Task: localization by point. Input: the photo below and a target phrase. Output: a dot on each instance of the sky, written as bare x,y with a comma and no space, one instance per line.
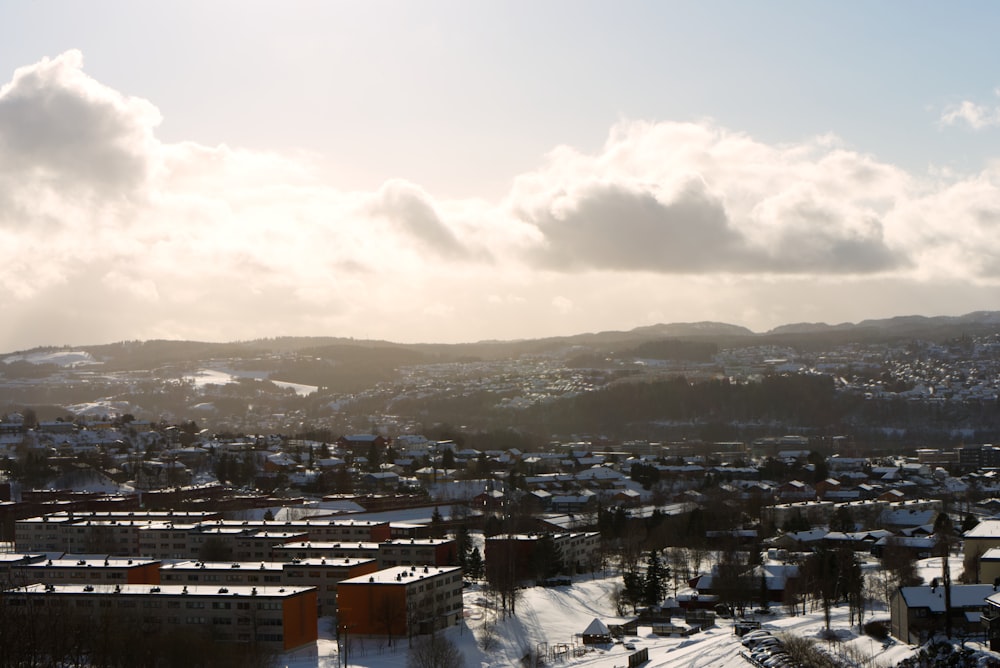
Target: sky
458,171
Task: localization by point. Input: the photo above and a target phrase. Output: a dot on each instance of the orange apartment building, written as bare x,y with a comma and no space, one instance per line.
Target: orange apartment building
113,532
308,549
417,552
282,618
323,574
400,601
109,571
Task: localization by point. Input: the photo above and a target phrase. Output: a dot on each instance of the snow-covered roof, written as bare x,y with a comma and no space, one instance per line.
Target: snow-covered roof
962,596
596,628
985,529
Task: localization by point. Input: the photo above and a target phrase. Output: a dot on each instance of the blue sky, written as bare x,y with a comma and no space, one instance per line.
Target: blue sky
456,171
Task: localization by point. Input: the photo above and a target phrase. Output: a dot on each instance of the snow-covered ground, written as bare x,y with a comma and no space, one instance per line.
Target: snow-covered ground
64,358
224,376
549,617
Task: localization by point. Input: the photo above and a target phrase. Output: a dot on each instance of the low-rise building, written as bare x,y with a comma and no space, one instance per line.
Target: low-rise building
86,570
400,601
577,551
308,549
916,613
417,552
281,618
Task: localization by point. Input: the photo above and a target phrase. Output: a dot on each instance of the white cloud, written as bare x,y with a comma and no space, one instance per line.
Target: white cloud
682,198
562,305
689,220
976,116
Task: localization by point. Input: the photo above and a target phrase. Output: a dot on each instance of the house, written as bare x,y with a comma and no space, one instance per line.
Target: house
918,547
824,487
796,490
916,613
991,620
981,538
596,633
622,626
490,499
362,441
672,629
859,541
381,480
771,577
989,566
626,497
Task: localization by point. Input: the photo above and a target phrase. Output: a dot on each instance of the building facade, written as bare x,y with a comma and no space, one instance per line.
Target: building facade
400,601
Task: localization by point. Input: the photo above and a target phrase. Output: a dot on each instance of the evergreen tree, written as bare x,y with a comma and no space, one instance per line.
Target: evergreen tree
374,458
655,581
463,545
437,524
447,459
821,571
842,520
634,589
474,564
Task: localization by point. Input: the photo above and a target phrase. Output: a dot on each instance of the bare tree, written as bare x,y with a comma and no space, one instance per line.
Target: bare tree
435,651
389,616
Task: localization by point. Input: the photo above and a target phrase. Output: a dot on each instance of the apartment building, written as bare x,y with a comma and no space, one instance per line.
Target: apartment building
94,532
11,565
217,543
281,618
326,576
577,551
321,573
417,552
222,574
308,549
400,601
85,570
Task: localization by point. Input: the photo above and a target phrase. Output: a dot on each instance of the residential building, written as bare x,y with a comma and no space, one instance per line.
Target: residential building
400,601
417,552
916,613
279,618
323,550
85,570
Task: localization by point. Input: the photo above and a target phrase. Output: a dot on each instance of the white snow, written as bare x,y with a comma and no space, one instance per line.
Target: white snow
224,376
549,617
64,358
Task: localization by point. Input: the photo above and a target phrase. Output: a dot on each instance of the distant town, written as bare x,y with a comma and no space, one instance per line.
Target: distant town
283,496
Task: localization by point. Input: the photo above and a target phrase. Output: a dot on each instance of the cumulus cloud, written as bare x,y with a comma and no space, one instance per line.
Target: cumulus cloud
413,211
688,221
60,127
975,116
687,198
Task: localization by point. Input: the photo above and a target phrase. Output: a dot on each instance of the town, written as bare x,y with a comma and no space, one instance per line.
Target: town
390,541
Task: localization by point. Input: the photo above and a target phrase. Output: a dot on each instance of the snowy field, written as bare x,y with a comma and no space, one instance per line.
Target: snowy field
224,376
549,617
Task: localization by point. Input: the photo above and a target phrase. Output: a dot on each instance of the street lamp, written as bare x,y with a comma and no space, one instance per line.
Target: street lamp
342,642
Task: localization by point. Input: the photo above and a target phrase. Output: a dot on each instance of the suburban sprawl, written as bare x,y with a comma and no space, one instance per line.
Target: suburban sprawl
677,496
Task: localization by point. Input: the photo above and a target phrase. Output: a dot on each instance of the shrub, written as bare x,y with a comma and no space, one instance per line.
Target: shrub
876,629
